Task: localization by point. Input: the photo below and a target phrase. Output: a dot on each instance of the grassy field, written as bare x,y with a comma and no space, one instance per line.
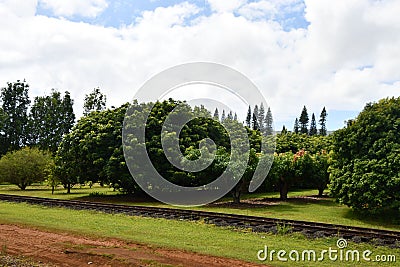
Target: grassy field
190,236
296,208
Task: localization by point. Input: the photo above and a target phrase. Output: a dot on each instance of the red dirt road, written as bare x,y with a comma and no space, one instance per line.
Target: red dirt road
61,249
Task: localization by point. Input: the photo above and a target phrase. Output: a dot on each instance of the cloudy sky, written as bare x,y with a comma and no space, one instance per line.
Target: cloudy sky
317,53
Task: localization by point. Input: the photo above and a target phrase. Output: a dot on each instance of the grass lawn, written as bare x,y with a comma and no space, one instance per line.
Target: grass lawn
191,236
318,210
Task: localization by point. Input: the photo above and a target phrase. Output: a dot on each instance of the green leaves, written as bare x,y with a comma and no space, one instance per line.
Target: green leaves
366,160
25,166
50,118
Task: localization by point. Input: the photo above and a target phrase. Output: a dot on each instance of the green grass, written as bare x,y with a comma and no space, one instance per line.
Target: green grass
60,193
190,236
319,210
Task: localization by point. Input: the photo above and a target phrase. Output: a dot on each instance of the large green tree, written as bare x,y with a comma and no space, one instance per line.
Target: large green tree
25,166
365,171
14,102
92,151
50,118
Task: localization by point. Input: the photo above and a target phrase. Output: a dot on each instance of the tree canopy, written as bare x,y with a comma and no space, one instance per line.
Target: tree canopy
25,166
365,171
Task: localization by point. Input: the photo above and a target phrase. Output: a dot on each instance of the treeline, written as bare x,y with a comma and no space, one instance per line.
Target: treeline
359,164
39,124
301,123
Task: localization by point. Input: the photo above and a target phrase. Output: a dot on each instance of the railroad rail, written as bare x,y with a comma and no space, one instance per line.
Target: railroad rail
257,224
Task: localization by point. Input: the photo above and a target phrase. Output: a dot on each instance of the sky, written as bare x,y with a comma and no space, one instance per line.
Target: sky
297,52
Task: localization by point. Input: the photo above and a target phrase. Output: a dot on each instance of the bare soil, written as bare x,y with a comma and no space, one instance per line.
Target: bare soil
47,248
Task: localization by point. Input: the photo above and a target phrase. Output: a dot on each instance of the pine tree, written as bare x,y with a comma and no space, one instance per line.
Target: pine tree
248,118
230,115
261,117
284,130
255,119
313,126
296,126
235,117
216,114
304,121
268,123
223,116
322,122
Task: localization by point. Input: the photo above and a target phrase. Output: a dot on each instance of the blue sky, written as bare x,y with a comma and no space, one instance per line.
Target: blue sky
297,52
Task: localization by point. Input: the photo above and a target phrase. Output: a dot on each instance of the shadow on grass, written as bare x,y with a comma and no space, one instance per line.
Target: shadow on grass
388,218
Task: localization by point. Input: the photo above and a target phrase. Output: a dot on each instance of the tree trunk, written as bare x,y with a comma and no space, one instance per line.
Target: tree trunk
236,196
283,189
320,192
52,189
69,189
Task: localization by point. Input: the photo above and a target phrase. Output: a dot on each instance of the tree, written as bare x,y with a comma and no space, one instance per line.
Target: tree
216,114
223,116
24,167
322,122
248,118
3,141
95,101
365,170
261,117
313,126
296,127
15,103
50,118
255,124
303,120
230,115
268,129
85,153
282,173
284,130
235,118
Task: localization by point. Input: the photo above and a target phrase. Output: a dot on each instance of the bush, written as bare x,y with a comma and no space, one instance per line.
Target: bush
25,166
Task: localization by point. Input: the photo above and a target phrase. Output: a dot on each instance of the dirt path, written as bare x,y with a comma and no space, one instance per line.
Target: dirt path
60,249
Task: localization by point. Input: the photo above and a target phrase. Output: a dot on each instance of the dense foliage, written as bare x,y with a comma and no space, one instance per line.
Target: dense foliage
26,166
92,151
49,118
14,118
365,171
291,169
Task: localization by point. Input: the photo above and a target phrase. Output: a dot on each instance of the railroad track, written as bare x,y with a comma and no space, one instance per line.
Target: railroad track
257,224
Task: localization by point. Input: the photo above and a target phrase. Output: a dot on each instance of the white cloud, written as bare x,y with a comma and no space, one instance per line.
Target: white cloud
346,57
225,6
68,8
20,8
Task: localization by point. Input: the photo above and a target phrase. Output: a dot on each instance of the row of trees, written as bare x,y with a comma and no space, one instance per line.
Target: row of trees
301,123
260,120
363,161
42,123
